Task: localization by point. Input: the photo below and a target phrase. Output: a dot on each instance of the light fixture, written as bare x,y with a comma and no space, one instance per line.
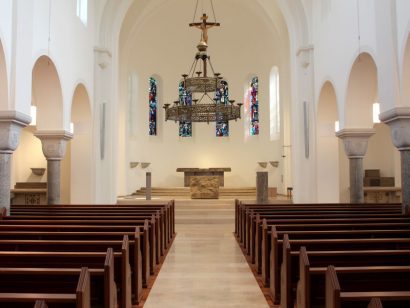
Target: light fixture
201,107
337,126
376,112
33,114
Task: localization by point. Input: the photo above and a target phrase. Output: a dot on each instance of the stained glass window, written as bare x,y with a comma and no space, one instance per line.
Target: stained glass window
153,103
254,107
222,97
185,98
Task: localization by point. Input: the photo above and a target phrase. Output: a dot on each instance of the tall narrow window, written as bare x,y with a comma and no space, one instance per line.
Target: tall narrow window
82,11
185,99
252,107
274,105
153,104
222,97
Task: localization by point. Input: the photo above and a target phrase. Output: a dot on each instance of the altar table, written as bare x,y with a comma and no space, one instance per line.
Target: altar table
189,172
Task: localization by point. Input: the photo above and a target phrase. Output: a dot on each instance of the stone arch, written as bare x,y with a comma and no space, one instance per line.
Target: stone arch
80,153
327,145
361,93
4,93
406,74
47,95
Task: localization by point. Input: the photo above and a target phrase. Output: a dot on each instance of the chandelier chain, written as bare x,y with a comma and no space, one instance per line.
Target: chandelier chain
213,11
196,9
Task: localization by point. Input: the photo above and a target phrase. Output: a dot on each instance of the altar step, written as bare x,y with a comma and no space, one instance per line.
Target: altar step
224,192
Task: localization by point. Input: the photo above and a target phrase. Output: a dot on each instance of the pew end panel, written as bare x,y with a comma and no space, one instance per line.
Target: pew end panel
375,303
285,272
332,288
274,267
303,286
83,289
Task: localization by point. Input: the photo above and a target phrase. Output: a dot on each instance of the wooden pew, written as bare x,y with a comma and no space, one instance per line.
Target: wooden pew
336,296
79,297
337,252
313,264
148,249
96,262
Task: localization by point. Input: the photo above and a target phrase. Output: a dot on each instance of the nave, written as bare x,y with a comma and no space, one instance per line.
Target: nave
205,266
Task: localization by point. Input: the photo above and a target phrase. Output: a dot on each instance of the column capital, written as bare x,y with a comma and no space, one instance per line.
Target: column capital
11,124
355,140
399,121
54,143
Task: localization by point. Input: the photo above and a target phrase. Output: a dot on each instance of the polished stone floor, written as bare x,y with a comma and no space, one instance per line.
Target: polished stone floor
205,266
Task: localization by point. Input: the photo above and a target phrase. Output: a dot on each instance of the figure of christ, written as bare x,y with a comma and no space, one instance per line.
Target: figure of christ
204,26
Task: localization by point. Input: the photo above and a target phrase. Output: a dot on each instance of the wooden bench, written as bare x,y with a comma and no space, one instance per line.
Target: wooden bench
336,252
313,264
367,289
14,292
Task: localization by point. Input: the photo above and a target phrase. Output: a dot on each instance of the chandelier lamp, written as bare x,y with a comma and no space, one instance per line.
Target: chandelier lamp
206,98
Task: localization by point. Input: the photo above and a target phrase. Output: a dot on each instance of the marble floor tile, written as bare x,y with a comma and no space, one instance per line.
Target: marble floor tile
205,266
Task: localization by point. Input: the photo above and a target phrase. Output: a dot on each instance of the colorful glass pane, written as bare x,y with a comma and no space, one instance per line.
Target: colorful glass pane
222,97
254,107
185,99
153,103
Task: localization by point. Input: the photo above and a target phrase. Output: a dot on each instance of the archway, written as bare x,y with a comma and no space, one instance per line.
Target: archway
4,94
327,146
80,149
47,93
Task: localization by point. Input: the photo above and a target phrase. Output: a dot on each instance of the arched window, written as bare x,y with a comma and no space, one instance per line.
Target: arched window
222,97
185,99
82,11
252,107
274,104
153,104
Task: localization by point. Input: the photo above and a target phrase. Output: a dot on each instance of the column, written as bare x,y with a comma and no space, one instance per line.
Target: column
11,124
399,121
355,144
54,147
261,187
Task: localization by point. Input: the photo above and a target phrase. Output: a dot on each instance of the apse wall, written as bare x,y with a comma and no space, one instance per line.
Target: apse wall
166,49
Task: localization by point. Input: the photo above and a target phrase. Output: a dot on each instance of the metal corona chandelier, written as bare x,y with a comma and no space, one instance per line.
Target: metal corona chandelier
201,107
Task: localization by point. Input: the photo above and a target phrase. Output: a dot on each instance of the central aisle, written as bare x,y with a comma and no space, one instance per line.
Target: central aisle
205,266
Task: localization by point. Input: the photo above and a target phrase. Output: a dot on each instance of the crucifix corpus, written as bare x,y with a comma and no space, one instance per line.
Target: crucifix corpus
204,26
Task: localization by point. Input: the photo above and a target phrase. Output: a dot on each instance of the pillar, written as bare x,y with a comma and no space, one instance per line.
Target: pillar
261,187
54,147
398,120
355,142
11,124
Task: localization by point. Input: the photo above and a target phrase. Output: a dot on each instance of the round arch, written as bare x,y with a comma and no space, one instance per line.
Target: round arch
4,93
47,95
80,150
327,145
361,93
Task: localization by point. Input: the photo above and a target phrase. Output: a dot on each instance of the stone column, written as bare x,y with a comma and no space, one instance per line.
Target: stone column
355,143
54,147
261,187
148,188
11,124
399,121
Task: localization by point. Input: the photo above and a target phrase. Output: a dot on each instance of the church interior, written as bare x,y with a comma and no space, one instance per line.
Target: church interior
204,153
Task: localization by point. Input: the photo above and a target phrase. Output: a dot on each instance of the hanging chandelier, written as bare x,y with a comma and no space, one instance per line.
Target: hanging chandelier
205,93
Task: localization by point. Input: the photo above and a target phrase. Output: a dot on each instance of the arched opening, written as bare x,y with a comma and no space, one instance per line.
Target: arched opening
79,150
381,155
47,94
141,48
406,74
327,146
4,93
361,93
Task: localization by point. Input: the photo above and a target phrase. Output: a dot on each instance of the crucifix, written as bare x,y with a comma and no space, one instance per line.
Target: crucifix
204,26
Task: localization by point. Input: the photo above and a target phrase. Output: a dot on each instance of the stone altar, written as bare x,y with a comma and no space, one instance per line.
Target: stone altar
190,172
204,187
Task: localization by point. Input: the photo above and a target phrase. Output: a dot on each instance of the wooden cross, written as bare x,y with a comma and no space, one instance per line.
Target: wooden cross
204,26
